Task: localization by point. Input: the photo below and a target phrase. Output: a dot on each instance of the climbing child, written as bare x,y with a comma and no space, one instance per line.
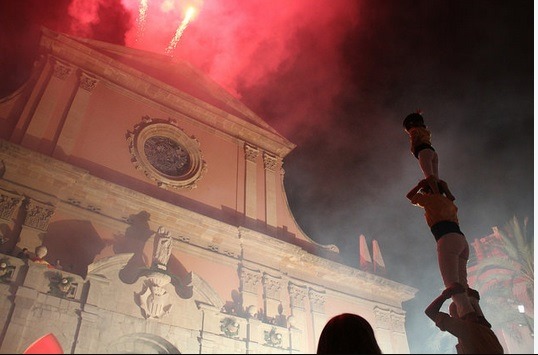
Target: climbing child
422,149
452,246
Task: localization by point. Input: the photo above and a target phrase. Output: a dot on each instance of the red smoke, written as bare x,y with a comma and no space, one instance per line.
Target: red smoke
242,45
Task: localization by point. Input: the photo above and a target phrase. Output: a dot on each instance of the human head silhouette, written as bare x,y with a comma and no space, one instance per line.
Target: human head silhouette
413,120
348,333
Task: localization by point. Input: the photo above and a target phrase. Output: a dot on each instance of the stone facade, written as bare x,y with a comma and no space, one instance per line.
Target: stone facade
163,198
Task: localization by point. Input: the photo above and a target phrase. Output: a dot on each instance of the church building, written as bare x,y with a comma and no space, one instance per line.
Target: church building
151,205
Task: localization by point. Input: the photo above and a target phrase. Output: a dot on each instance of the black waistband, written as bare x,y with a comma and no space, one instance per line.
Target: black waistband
439,229
421,147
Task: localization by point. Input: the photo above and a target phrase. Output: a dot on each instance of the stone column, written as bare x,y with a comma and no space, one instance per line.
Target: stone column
251,155
271,164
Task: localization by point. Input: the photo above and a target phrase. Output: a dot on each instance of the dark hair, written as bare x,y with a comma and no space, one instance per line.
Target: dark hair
413,120
348,333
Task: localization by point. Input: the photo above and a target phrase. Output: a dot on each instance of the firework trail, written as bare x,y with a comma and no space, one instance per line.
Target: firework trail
180,29
141,20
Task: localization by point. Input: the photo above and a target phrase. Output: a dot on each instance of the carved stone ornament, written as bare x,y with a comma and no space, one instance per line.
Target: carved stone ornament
61,70
297,295
229,326
270,162
249,279
87,82
62,286
251,152
271,287
38,214
163,250
273,337
8,203
317,301
154,300
6,270
166,154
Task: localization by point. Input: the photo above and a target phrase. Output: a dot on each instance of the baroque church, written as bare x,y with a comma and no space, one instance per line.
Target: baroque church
152,206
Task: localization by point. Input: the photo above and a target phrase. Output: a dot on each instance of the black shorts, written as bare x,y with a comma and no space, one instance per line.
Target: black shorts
440,229
421,147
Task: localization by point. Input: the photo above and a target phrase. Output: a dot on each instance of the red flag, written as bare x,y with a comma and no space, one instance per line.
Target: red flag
47,344
365,260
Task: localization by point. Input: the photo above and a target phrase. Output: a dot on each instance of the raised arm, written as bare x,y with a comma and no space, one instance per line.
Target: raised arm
433,309
415,189
435,306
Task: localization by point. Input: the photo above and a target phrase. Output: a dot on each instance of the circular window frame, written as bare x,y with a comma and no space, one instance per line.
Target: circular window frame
151,128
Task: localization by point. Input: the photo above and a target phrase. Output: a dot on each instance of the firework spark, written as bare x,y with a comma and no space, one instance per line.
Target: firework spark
179,32
141,20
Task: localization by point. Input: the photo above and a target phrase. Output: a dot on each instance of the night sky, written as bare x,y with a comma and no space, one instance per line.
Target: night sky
337,77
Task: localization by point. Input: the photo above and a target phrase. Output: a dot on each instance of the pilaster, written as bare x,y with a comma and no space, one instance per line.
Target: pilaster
77,110
298,296
251,155
49,111
271,164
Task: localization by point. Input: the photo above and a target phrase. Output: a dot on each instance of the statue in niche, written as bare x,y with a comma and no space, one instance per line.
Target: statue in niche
163,248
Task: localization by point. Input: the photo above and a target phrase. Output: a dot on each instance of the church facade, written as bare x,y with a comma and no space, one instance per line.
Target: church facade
159,200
